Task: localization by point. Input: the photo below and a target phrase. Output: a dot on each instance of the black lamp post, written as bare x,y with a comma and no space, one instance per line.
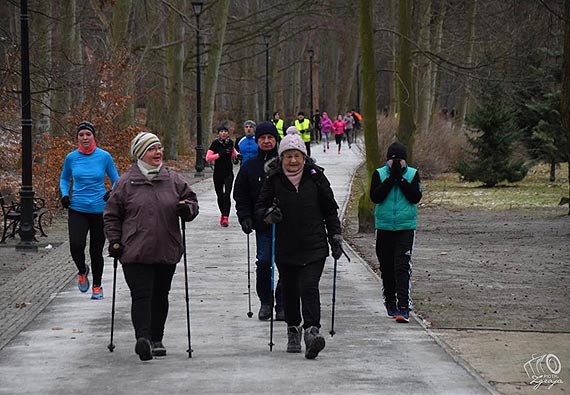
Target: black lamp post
27,241
197,6
266,37
311,54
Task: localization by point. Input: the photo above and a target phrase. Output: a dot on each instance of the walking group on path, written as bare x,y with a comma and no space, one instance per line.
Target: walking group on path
280,193
283,197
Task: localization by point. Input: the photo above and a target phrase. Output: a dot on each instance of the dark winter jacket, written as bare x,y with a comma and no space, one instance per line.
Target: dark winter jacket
310,215
141,215
248,185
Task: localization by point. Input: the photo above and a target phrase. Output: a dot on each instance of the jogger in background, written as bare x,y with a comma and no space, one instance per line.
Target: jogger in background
221,152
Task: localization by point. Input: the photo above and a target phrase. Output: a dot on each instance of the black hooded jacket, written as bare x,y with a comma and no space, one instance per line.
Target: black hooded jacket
310,215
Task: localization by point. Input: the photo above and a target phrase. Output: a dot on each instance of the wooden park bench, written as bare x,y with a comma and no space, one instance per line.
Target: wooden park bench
11,210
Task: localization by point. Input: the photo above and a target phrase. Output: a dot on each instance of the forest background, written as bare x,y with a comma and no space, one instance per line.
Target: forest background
424,72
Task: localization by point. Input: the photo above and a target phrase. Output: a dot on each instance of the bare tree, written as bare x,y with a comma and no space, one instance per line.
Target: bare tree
365,206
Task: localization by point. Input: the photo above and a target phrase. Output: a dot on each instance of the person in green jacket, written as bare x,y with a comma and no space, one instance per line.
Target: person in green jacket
396,190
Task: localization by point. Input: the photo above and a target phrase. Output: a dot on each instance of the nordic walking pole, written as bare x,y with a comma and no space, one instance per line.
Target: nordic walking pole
249,313
186,287
272,285
332,332
111,346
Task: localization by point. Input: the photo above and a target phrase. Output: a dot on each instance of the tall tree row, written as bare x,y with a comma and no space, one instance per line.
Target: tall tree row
431,56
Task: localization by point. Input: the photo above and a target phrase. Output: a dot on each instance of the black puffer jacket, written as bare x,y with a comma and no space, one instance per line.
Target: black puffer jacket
248,185
309,215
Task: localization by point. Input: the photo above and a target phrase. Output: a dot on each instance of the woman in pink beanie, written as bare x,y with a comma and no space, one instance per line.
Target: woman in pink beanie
297,197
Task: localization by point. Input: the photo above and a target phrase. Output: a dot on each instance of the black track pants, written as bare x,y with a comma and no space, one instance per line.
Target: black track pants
394,251
79,224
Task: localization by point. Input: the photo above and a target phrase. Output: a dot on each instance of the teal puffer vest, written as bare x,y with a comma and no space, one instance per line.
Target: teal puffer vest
396,212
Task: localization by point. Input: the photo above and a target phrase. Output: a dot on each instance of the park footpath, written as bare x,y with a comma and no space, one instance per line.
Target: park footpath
56,342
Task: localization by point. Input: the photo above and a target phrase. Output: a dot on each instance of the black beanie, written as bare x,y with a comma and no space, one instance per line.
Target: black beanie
397,151
222,128
86,125
266,128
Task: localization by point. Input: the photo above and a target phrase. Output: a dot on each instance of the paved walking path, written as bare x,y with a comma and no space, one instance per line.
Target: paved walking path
64,349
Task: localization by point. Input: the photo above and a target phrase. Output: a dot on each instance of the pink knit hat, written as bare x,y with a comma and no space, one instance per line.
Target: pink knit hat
292,141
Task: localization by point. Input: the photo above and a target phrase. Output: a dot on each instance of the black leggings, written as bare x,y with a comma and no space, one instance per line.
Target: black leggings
79,224
338,139
223,186
301,293
150,286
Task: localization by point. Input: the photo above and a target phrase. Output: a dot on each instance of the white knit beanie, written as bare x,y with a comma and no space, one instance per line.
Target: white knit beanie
142,142
292,141
292,130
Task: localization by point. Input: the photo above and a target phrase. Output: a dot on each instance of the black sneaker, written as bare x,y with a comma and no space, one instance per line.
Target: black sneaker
314,342
280,315
143,349
264,312
158,349
391,310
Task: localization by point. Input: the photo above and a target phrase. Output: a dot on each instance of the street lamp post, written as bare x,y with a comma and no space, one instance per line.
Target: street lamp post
266,37
27,241
197,6
311,54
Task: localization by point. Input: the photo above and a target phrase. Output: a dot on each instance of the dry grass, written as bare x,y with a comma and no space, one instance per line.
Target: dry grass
535,191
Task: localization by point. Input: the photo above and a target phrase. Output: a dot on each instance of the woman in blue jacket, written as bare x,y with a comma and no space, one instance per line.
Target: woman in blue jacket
87,167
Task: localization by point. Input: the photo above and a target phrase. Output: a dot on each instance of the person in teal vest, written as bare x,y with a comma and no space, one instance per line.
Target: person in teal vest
396,190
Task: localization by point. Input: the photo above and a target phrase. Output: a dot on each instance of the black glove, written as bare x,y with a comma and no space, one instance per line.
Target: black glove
115,249
336,246
247,225
106,195
396,170
65,201
273,215
237,158
186,211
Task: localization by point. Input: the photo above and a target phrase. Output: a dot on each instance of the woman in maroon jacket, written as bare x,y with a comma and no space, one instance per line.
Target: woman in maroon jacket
142,226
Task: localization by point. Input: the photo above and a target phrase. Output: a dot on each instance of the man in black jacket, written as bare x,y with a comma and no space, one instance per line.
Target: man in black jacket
246,191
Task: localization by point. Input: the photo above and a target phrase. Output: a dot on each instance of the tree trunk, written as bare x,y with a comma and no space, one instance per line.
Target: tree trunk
119,41
437,44
565,94
424,65
393,106
465,94
41,80
62,94
220,18
175,65
406,125
157,95
368,65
